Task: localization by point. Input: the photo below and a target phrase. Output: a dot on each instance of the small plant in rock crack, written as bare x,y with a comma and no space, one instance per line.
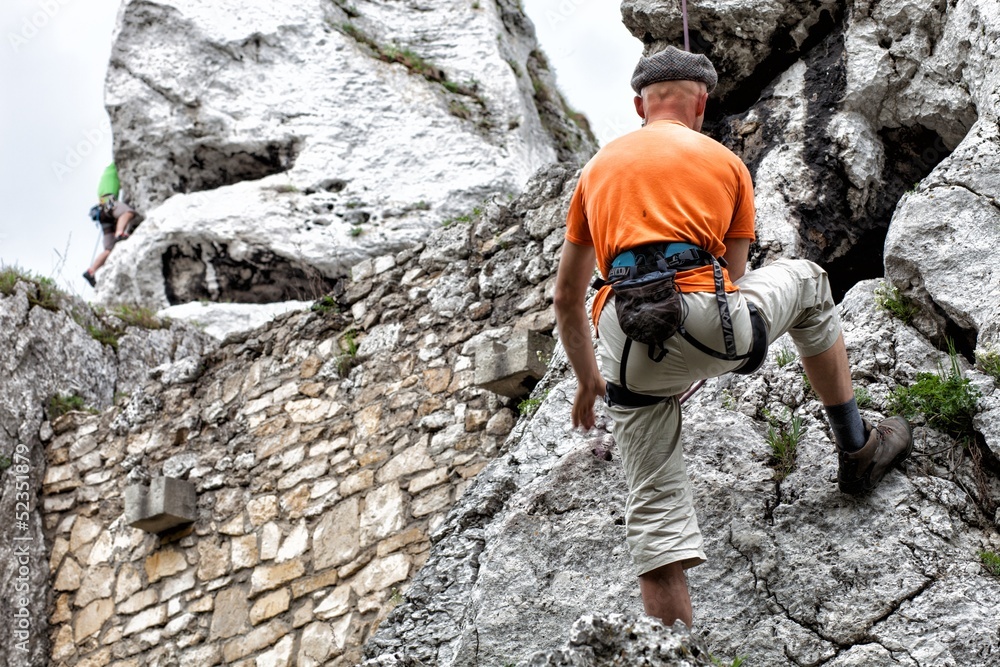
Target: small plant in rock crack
476,212
60,404
989,363
863,397
5,462
42,291
529,406
783,356
947,400
888,298
728,402
990,561
349,353
737,662
783,439
325,304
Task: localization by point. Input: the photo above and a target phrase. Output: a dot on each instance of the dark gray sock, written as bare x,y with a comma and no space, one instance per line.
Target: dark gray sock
848,429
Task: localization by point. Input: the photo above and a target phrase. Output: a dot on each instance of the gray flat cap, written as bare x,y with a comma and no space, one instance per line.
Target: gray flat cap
672,64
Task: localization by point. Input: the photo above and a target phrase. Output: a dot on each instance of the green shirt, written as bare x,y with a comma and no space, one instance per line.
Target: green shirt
109,184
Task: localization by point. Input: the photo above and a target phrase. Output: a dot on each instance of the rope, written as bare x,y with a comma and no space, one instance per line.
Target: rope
100,235
684,12
690,391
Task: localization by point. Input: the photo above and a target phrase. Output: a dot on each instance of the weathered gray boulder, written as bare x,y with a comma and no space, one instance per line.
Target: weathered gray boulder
619,640
838,109
271,146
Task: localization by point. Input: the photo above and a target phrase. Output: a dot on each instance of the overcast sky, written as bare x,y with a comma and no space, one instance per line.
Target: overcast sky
56,140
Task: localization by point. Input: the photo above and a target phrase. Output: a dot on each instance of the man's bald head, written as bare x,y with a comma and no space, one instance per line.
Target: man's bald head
677,100
664,92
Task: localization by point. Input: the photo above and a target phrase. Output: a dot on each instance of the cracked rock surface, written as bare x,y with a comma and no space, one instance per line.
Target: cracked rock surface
798,573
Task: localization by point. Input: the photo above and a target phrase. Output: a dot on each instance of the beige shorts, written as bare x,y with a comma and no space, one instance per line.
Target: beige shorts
108,226
793,296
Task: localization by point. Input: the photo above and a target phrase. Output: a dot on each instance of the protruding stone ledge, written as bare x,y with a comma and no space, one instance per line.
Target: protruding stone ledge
166,503
512,368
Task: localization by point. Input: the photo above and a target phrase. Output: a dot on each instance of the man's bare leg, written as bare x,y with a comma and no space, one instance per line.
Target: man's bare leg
123,221
665,594
829,374
99,261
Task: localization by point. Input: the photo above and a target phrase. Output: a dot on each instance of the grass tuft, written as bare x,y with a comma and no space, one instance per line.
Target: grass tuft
42,291
137,316
784,442
991,561
348,357
888,298
60,404
783,356
325,304
947,400
863,397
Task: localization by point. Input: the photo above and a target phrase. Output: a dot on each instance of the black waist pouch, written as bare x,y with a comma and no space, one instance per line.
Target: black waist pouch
649,308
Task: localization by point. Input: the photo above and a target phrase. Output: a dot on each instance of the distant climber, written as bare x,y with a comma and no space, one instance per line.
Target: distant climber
668,216
115,217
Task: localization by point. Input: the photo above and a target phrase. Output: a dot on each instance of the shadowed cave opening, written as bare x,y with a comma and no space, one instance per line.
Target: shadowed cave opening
209,167
259,276
911,153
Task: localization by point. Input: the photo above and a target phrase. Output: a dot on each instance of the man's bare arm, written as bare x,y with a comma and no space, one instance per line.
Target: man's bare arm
576,268
737,251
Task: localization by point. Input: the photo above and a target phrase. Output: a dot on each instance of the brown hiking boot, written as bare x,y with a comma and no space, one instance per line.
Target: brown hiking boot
888,444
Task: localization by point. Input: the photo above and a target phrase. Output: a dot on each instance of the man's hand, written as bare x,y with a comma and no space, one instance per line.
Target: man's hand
576,267
583,403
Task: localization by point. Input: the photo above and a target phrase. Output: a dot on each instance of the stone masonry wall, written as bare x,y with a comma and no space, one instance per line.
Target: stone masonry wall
321,470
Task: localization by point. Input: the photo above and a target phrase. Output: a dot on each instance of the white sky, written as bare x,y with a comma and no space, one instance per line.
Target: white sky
55,138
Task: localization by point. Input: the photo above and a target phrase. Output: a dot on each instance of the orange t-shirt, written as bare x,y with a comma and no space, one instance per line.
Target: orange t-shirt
664,182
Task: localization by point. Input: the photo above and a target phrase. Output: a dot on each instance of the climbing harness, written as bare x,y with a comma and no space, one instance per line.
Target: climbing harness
654,267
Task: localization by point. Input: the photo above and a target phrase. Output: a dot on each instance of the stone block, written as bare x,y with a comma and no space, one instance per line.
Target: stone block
512,368
231,614
92,618
165,504
268,577
270,606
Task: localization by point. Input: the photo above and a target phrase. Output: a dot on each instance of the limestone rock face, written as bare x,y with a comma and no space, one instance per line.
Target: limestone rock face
271,146
839,110
356,485
620,640
50,352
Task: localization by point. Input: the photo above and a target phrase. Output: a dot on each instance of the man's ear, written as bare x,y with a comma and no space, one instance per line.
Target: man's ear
702,103
637,100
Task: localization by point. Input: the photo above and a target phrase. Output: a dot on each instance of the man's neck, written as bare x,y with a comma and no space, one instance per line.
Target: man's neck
678,116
